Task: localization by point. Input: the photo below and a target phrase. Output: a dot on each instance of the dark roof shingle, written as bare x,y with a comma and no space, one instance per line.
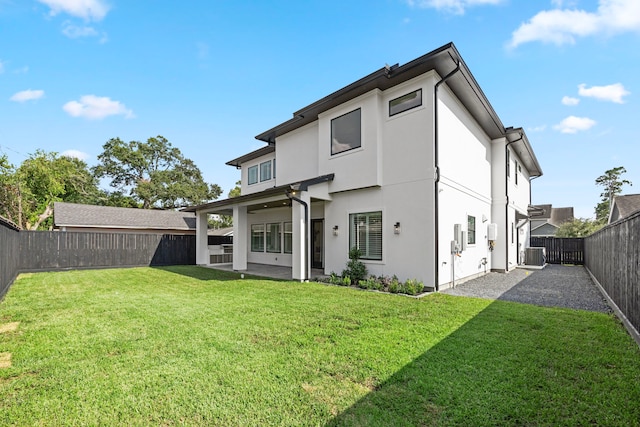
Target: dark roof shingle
78,215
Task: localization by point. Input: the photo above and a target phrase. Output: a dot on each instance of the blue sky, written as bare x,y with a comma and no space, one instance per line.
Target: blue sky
210,75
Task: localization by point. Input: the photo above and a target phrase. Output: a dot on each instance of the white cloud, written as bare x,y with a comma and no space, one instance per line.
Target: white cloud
453,6
95,107
573,124
613,93
27,95
75,154
87,9
563,26
74,32
567,100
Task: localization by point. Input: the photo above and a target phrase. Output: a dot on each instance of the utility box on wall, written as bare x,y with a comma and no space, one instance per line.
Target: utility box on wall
492,231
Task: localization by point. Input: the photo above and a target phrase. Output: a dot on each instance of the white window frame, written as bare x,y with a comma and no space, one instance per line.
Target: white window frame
255,171
366,246
265,171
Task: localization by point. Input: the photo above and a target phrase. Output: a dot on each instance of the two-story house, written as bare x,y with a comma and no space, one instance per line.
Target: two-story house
410,164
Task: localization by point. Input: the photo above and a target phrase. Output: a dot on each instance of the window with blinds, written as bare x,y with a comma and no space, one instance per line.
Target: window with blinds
365,233
273,237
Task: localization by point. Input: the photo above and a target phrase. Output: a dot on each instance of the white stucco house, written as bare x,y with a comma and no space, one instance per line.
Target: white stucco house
411,164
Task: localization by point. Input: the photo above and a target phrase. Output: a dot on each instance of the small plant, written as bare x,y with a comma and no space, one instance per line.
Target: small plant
346,281
413,287
372,283
334,279
356,270
394,285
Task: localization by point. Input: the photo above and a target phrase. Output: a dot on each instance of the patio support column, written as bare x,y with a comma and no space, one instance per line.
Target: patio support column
300,258
240,238
202,244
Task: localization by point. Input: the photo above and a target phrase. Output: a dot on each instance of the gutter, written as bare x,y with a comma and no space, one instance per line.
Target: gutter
306,234
436,203
506,208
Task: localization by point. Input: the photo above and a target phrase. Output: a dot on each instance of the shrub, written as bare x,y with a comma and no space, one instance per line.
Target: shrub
394,285
356,270
372,282
334,279
346,281
413,287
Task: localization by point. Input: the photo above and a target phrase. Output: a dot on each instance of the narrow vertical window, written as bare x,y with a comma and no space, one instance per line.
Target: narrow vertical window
253,174
273,237
471,230
365,233
265,171
257,238
288,237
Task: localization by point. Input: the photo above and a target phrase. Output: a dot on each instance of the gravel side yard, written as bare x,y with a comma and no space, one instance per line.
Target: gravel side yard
553,286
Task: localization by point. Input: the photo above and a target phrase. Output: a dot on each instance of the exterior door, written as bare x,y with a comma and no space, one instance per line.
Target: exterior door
317,243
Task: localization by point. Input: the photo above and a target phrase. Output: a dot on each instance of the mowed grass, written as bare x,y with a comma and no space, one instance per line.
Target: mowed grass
193,346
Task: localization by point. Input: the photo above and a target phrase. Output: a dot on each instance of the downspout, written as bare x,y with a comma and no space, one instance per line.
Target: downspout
306,234
506,208
437,171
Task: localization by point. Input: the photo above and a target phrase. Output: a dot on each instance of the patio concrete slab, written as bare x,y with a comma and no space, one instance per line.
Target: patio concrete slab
264,270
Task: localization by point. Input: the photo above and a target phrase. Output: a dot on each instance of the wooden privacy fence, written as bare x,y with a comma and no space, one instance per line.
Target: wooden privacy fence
561,250
52,250
25,251
9,254
613,259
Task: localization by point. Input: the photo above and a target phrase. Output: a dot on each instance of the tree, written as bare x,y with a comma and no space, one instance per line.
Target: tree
235,191
28,192
612,184
578,227
9,194
154,173
224,221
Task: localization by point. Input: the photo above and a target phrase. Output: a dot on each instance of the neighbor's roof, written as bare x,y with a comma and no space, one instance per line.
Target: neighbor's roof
443,60
553,216
560,216
78,215
626,205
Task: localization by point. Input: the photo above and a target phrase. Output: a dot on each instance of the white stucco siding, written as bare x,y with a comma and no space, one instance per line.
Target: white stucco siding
261,185
464,149
456,206
358,167
499,203
407,137
297,155
519,184
409,254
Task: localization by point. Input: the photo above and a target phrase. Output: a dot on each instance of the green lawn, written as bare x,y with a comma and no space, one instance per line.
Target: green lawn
193,346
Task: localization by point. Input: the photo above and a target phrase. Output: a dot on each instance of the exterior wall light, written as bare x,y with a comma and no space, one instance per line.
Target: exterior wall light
335,230
396,228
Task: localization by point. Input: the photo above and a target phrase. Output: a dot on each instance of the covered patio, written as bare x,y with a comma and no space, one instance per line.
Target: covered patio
264,270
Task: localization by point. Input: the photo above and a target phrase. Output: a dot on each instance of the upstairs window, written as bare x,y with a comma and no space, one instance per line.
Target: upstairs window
405,102
265,171
346,132
365,233
253,174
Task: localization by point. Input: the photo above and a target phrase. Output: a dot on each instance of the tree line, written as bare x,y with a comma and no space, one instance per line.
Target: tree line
612,183
149,174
